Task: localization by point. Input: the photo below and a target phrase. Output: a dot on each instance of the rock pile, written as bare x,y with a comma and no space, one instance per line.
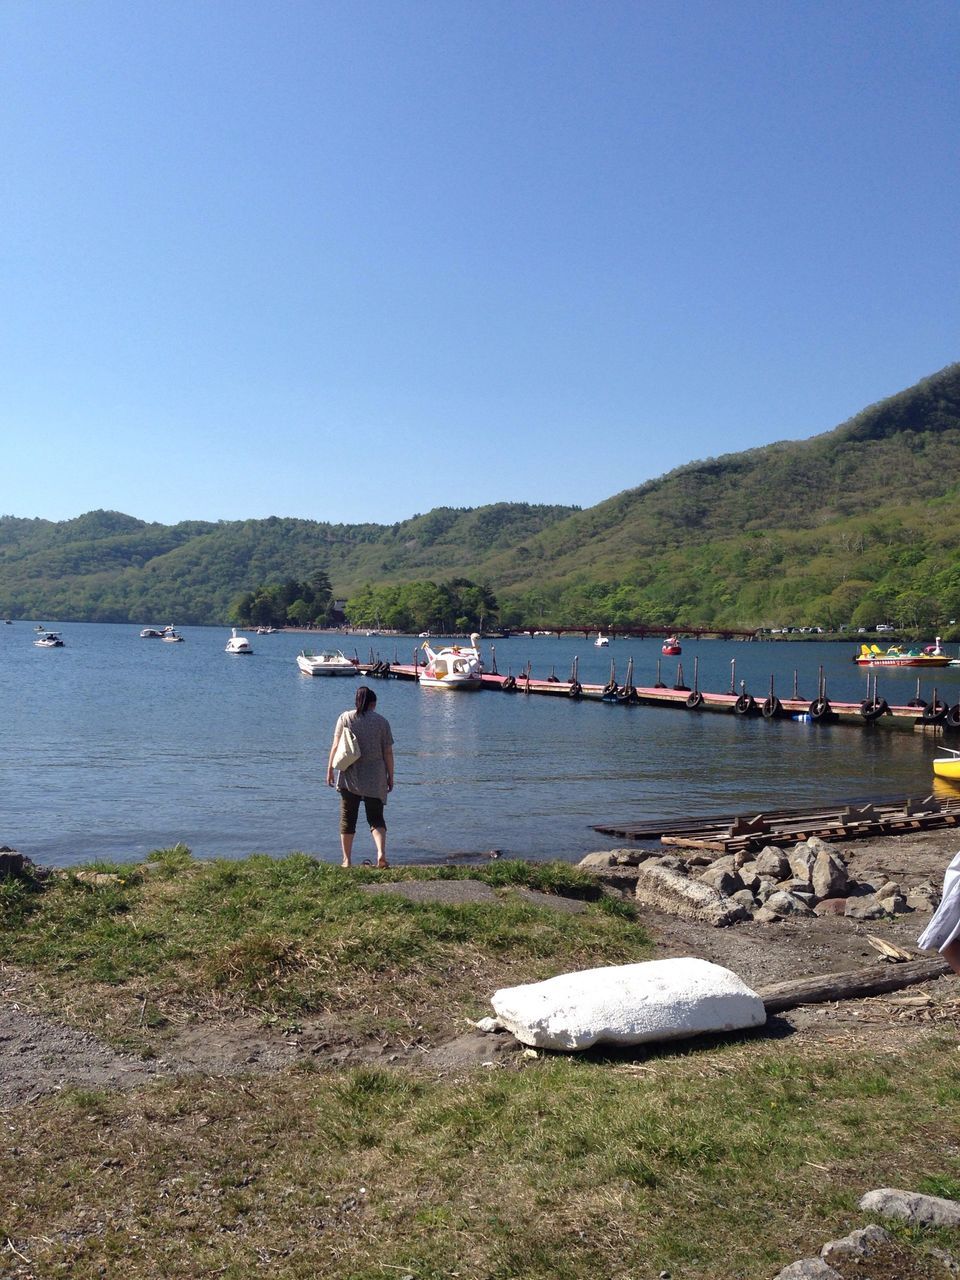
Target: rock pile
809,879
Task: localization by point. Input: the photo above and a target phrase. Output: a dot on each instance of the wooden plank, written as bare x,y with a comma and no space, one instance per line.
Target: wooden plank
852,985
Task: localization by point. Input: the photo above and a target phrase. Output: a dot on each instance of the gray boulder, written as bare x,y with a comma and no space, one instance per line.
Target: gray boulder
787,904
772,863
910,1206
864,908
749,874
664,888
858,1244
802,858
829,875
727,882
590,861
764,889
744,898
895,904
808,1269
923,897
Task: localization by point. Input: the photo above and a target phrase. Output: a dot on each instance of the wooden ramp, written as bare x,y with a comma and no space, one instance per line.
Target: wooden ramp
732,832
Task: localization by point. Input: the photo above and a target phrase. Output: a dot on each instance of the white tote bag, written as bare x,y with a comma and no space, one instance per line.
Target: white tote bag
348,749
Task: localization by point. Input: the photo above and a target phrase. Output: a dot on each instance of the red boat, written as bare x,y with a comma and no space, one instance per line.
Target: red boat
671,647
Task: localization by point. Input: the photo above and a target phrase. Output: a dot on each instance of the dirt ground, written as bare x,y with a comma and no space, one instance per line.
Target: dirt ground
39,1055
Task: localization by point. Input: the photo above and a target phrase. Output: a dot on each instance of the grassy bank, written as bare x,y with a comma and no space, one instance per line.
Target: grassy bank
721,1161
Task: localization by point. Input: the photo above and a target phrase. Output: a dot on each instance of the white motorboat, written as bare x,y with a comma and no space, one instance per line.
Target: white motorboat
171,635
49,640
453,667
602,641
266,631
237,644
151,633
331,662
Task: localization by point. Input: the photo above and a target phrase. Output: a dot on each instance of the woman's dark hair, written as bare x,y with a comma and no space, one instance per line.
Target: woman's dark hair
366,698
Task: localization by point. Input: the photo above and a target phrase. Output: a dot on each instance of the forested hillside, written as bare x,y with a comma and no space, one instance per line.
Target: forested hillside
108,567
856,525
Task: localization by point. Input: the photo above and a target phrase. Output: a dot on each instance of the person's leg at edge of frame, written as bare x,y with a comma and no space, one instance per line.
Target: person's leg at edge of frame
951,953
380,840
346,845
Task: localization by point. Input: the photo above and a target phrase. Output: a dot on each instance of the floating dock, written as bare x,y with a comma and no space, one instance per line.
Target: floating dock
933,716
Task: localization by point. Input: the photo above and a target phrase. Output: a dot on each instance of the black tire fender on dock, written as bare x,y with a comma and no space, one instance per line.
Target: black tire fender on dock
871,710
509,685
694,702
820,709
952,719
744,705
771,708
576,689
934,712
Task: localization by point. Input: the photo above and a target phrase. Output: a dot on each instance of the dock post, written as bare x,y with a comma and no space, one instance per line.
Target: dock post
733,675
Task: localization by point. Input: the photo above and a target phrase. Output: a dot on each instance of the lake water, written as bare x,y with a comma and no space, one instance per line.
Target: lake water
114,746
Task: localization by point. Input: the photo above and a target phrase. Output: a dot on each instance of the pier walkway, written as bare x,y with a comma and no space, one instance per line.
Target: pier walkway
933,717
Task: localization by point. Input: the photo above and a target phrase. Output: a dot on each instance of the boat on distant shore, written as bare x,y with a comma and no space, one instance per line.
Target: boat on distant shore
930,655
331,662
454,666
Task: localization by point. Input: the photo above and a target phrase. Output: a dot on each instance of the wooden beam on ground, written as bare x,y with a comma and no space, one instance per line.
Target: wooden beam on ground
874,980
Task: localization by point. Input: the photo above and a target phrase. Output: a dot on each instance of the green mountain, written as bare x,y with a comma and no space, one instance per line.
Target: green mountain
108,567
856,525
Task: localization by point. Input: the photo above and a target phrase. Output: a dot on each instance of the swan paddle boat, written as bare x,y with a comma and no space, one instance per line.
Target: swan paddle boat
671,647
237,644
453,667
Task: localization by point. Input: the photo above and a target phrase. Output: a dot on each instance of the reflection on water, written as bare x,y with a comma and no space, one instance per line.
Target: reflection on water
116,745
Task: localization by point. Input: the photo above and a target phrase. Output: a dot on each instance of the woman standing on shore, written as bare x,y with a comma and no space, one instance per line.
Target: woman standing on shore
369,779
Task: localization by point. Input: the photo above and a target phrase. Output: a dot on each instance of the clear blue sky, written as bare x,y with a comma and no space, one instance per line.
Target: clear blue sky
351,260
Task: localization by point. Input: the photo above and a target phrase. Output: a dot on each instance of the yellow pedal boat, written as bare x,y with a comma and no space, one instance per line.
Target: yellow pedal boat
948,766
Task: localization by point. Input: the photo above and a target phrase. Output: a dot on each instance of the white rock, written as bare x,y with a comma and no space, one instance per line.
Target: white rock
912,1207
629,1004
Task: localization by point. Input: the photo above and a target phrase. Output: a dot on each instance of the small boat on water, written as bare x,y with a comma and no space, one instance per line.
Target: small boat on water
331,662
671,647
455,666
266,631
49,640
948,766
151,633
930,655
237,644
171,635
602,641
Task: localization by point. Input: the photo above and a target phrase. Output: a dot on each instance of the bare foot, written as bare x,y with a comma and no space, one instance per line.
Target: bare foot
383,866
345,862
